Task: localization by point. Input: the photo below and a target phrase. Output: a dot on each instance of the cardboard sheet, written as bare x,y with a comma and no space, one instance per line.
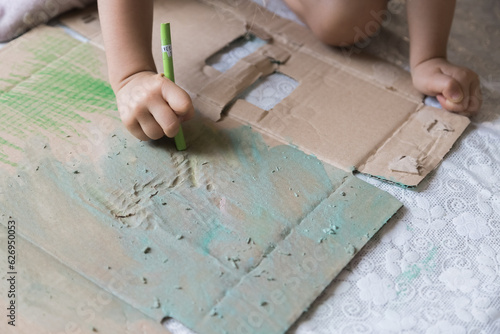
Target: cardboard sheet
53,299
353,111
237,234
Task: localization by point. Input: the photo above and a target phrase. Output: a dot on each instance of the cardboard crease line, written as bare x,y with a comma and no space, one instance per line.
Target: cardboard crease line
227,291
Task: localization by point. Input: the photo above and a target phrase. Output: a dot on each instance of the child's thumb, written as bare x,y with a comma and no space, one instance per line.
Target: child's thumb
448,87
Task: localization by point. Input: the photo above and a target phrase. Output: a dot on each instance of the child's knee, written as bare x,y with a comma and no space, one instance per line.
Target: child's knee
344,22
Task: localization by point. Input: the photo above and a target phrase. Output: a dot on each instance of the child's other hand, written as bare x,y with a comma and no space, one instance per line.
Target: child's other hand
152,106
456,88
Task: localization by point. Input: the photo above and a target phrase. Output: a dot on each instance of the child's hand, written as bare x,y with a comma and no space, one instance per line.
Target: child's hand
456,88
152,106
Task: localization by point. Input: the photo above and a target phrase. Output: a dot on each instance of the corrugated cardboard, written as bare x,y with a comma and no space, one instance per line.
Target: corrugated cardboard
354,111
264,238
237,234
57,300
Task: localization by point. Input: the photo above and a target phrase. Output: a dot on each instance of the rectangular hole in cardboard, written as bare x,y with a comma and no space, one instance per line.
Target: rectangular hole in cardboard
267,92
241,47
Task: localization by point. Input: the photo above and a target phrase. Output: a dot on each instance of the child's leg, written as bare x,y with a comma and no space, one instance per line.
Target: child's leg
341,22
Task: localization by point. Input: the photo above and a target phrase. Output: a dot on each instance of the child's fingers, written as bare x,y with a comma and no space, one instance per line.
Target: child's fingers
471,102
448,105
469,81
178,100
165,117
452,93
135,129
456,88
458,108
476,98
132,124
448,86
150,126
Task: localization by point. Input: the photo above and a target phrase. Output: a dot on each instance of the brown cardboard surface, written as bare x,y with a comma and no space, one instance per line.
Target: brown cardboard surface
356,113
51,298
350,110
237,234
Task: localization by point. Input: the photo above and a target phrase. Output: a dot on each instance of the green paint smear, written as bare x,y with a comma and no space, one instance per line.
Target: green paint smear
3,157
54,97
49,48
47,100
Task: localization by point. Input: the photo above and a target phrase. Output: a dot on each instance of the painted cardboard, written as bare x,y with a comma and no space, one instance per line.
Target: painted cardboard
238,234
353,111
53,299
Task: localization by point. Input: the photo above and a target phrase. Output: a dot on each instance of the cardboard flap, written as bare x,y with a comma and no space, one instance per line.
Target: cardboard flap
218,93
86,22
417,147
351,110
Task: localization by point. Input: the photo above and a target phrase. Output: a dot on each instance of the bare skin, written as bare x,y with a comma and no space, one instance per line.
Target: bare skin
152,106
346,22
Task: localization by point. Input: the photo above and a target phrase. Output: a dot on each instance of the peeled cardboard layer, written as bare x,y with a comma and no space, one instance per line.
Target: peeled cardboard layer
353,111
236,234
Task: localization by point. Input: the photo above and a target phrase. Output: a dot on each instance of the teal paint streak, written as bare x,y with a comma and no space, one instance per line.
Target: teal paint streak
219,233
227,187
260,204
275,178
415,269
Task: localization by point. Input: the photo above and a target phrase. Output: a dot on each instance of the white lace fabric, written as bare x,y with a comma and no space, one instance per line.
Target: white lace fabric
435,267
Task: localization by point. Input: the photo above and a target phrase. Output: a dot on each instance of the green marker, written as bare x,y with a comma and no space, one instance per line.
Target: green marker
168,68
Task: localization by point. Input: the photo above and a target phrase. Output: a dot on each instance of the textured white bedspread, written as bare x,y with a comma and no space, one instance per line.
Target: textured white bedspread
435,267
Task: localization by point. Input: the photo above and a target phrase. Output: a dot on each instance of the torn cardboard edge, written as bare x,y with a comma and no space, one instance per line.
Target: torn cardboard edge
417,147
223,90
428,147
294,37
368,115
